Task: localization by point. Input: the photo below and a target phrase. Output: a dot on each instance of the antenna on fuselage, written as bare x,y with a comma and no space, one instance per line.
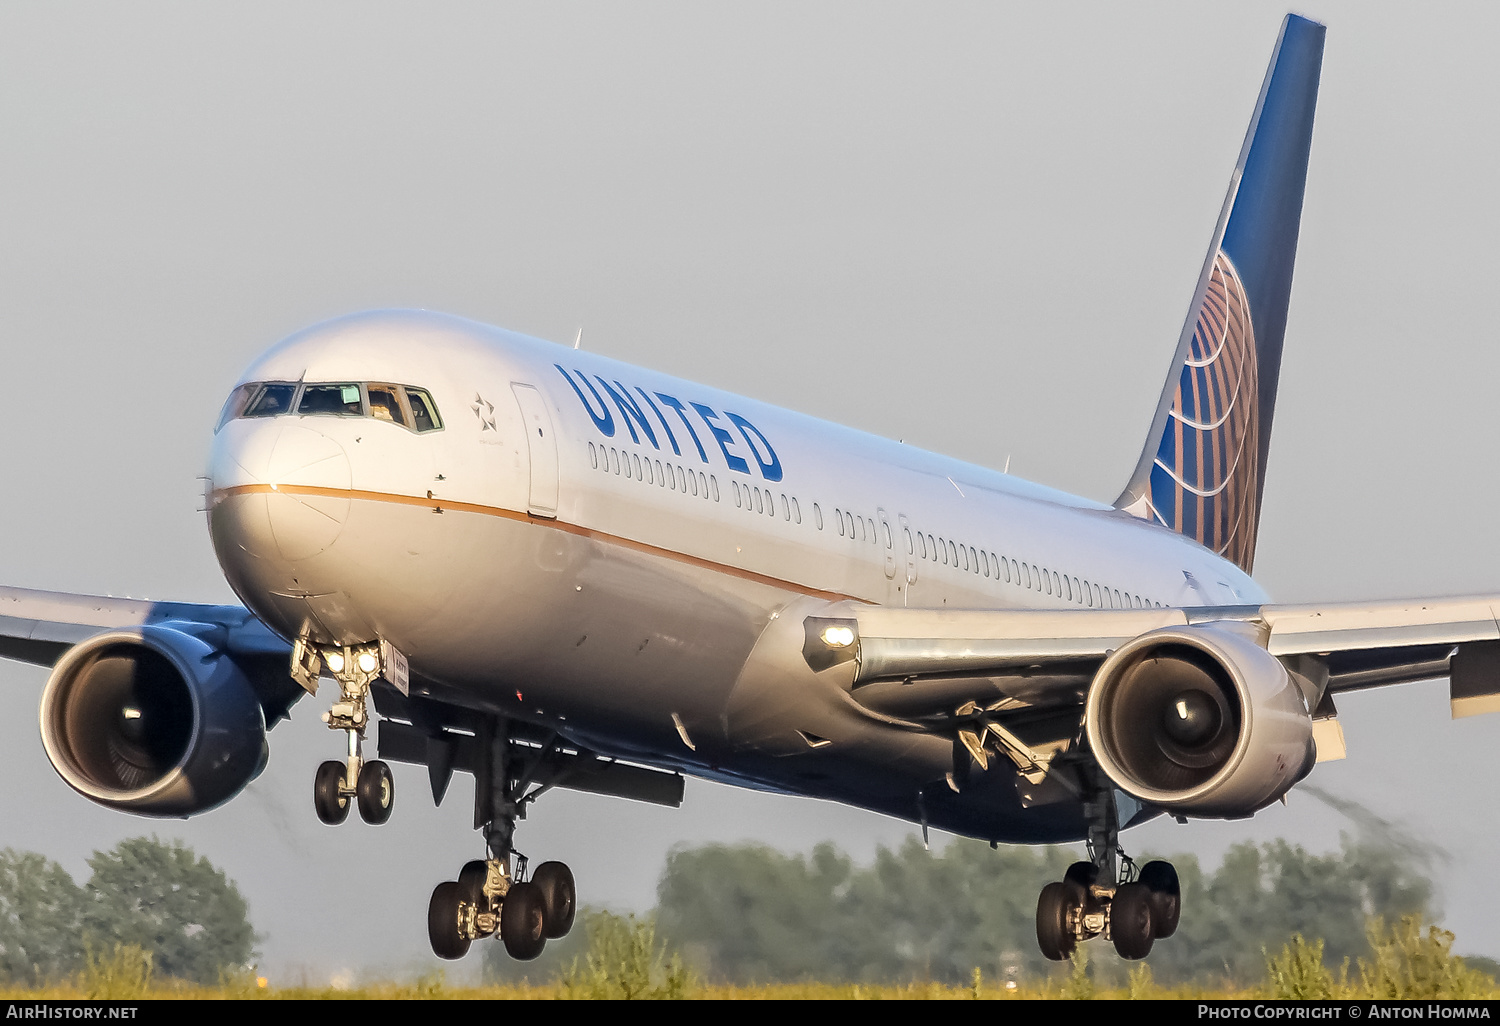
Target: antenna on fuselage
579,340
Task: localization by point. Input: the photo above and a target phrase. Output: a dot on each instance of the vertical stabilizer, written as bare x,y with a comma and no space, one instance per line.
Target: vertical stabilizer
1203,469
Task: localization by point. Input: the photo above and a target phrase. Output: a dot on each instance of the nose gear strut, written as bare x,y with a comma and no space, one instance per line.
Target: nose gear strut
370,785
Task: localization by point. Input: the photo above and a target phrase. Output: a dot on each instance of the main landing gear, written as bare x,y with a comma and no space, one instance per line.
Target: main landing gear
493,895
1106,896
337,785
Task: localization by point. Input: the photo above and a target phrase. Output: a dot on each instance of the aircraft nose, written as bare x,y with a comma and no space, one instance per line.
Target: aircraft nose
299,477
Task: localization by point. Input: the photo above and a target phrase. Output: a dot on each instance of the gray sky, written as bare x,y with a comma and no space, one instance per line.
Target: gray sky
975,227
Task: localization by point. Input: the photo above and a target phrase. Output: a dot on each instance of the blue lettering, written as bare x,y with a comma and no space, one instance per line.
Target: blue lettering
664,426
603,420
629,409
770,467
724,438
676,404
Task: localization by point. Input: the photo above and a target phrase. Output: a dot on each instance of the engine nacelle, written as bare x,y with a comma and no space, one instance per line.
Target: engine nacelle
153,721
1200,720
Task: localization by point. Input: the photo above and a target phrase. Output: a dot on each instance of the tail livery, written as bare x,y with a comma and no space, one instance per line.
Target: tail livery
1203,469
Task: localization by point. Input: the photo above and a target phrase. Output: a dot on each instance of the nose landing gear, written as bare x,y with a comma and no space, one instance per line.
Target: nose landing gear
337,785
493,896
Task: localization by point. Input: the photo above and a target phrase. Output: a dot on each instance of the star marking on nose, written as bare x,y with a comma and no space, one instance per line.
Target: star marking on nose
484,412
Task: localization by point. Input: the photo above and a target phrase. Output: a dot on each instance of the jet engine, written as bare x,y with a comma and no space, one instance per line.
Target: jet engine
154,721
1200,720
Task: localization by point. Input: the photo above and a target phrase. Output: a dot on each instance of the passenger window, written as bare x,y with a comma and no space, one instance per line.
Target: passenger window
911,548
593,456
952,555
713,483
838,518
385,404
424,414
817,516
650,478
273,402
770,504
974,558
849,523
637,461
681,481
796,510
331,401
786,508
1047,580
760,501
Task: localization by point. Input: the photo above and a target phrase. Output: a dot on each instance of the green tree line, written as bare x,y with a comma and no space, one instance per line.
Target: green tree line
750,914
157,898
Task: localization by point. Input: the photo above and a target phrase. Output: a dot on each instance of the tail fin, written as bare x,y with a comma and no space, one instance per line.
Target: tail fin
1203,469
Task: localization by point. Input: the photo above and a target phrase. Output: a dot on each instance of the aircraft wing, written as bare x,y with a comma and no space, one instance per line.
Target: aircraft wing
39,626
1049,657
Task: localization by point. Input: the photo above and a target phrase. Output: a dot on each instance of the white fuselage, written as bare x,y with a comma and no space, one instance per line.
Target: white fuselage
603,549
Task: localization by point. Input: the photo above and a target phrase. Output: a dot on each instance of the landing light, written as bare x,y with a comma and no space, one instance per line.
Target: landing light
838,637
335,661
367,662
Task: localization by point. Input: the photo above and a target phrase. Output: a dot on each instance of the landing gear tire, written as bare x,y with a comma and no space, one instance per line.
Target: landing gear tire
471,881
559,899
523,922
1052,929
328,799
1166,896
1130,921
1077,880
376,792
442,922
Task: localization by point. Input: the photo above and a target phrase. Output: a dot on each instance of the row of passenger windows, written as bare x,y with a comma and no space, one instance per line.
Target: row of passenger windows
410,407
1023,574
857,527
664,475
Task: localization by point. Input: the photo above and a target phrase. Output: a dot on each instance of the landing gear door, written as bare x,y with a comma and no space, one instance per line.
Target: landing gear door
541,443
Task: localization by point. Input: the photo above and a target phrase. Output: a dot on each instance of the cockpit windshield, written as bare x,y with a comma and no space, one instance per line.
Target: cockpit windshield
412,408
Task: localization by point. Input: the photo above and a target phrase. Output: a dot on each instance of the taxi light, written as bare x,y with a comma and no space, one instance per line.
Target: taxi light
335,661
838,637
367,662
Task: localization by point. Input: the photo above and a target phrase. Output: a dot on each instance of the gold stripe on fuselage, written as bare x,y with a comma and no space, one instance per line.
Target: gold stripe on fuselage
451,505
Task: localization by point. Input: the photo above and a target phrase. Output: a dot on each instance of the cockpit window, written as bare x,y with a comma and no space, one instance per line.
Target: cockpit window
423,413
386,405
234,406
331,400
273,401
411,408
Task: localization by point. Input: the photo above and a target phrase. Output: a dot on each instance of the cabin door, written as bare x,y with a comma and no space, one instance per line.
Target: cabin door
541,443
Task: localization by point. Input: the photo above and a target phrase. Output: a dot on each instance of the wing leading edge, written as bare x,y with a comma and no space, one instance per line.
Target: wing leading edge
1340,647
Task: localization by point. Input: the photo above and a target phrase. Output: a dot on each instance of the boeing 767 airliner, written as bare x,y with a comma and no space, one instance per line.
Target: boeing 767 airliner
549,569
